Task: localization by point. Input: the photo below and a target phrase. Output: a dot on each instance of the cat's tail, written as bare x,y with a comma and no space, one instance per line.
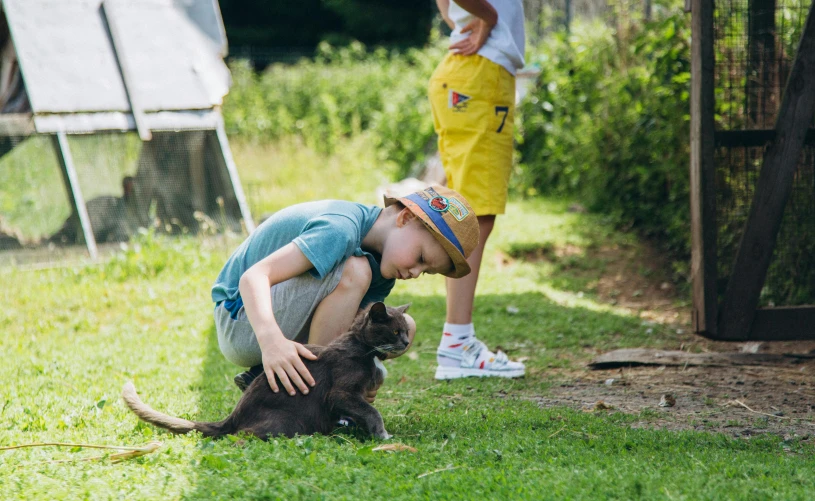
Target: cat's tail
152,416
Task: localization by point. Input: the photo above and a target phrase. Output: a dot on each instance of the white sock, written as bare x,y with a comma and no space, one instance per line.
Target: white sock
455,336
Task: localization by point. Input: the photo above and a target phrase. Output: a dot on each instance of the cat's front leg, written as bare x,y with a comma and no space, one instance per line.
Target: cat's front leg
363,413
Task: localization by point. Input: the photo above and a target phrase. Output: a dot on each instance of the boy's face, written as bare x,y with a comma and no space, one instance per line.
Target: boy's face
411,250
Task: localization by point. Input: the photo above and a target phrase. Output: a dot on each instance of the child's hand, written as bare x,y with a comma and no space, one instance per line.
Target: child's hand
282,358
370,395
479,33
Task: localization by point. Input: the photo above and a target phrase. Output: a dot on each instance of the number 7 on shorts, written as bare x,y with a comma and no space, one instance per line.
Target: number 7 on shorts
505,111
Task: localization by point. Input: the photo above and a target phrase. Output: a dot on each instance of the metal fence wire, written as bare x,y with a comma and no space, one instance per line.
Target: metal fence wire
176,183
755,43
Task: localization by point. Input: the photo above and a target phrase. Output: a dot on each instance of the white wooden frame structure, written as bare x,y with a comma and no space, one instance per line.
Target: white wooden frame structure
119,65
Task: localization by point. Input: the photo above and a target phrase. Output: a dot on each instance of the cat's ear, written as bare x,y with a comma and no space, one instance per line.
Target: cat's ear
403,308
378,312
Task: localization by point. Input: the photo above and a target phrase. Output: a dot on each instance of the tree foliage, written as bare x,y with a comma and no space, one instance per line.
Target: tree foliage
305,23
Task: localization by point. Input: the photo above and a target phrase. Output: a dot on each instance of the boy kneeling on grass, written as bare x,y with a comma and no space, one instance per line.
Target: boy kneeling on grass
304,273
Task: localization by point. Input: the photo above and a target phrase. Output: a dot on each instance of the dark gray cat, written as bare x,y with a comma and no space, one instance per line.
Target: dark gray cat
344,371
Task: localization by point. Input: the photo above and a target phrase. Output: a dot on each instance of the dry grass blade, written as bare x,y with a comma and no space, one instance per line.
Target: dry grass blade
394,448
439,471
739,402
129,452
141,451
555,433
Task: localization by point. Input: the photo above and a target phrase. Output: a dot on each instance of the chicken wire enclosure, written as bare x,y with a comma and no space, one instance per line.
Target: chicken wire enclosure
176,183
791,277
744,54
755,43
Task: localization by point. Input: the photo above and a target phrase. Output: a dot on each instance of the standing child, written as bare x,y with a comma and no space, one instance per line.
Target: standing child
304,273
472,94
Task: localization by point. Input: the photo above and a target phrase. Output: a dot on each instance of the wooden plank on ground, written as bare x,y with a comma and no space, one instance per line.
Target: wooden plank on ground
772,192
645,356
702,171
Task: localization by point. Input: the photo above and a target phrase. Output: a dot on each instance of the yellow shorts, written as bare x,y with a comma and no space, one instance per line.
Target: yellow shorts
473,102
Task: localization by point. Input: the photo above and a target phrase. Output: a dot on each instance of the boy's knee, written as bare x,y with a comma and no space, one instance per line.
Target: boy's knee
356,275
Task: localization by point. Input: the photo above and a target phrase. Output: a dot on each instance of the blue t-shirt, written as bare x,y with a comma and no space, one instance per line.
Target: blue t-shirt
327,232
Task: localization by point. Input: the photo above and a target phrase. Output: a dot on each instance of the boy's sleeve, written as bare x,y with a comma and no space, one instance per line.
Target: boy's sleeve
327,241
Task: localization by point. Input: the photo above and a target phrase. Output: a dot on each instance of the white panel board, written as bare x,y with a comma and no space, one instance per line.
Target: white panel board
206,14
69,64
65,55
173,62
85,123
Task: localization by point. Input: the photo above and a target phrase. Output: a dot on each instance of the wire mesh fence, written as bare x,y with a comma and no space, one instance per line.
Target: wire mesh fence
176,183
755,42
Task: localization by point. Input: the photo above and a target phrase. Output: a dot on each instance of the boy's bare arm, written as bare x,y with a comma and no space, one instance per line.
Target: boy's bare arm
280,355
444,9
479,28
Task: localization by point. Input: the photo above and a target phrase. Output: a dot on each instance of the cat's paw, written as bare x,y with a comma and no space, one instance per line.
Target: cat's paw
384,435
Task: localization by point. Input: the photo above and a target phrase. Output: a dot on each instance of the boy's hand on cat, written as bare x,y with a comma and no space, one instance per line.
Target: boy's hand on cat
370,395
283,358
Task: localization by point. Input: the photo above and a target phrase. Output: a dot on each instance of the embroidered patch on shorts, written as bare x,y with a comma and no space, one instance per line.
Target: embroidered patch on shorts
457,101
457,209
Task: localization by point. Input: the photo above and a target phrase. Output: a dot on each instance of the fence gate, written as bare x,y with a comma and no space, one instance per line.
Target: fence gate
752,169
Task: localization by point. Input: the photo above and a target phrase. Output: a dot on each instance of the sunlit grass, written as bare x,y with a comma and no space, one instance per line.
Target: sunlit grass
73,336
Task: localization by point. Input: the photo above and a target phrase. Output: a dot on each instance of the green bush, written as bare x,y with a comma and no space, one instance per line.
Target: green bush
338,94
609,123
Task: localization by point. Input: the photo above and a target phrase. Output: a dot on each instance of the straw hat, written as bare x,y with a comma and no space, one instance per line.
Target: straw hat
449,218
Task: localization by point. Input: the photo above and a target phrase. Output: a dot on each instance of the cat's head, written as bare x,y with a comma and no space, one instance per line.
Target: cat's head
384,329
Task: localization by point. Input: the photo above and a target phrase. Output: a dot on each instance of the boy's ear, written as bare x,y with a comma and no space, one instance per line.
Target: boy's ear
403,308
378,312
404,217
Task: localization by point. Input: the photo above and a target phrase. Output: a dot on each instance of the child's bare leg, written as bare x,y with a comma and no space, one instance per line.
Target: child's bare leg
460,353
461,291
336,312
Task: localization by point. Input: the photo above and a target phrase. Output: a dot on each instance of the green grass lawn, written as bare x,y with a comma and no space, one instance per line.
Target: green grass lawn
73,336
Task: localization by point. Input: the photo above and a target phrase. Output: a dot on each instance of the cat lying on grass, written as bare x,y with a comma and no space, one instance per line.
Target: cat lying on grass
344,370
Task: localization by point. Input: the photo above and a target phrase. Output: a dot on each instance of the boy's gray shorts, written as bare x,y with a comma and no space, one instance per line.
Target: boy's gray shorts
293,304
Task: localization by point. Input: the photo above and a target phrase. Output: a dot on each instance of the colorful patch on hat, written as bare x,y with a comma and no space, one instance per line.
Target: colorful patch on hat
457,100
439,204
457,209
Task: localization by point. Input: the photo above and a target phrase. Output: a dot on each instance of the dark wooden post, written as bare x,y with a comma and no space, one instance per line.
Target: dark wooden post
772,191
702,170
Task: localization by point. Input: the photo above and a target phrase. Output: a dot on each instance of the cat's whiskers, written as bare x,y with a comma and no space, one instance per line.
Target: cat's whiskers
383,349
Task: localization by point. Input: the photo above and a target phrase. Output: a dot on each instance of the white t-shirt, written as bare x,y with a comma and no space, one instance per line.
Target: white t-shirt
505,46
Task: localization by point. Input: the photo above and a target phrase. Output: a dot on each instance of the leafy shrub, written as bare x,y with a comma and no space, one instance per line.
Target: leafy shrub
338,94
609,122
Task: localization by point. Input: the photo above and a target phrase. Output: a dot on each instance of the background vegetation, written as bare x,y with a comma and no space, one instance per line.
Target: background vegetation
270,24
608,123
340,93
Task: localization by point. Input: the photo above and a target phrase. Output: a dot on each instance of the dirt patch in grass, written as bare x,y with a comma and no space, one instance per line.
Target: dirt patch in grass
781,400
632,277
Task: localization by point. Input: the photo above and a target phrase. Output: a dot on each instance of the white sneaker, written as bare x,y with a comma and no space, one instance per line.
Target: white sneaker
475,360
